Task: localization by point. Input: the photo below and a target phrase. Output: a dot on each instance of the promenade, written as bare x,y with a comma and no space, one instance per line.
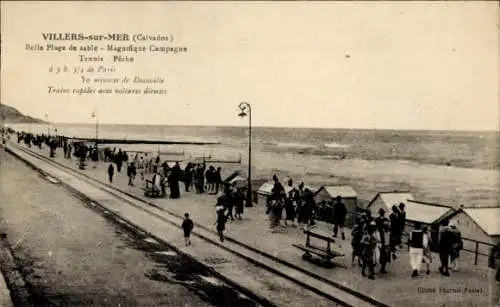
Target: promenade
470,286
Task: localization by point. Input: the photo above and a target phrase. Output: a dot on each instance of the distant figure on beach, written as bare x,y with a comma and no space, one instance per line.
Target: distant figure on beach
339,215
111,172
187,226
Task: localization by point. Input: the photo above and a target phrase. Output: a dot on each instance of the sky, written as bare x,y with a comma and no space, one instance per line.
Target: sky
375,65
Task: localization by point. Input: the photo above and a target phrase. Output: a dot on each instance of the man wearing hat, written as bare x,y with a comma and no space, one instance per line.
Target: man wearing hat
339,214
383,229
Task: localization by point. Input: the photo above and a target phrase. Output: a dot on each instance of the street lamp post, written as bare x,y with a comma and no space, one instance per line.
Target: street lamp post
245,110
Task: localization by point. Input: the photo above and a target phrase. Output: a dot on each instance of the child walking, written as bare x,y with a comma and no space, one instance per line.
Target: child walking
221,224
187,226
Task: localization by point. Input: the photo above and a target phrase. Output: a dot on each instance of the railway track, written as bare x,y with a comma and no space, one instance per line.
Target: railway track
332,291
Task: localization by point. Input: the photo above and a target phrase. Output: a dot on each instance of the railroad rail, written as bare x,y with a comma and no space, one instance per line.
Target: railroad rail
321,286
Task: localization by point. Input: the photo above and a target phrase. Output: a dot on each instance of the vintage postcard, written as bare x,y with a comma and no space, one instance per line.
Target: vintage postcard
249,153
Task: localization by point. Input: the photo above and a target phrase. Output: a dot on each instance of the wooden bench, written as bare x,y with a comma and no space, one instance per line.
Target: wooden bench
149,190
326,252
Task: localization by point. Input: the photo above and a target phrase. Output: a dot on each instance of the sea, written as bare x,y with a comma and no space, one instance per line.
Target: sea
446,167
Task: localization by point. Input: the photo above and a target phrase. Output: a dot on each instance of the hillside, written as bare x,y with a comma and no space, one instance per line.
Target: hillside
12,115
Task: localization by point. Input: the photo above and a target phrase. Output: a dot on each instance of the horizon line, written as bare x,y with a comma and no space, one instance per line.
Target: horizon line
275,127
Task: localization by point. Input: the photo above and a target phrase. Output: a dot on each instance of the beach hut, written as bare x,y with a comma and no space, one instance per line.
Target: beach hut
385,200
326,194
478,225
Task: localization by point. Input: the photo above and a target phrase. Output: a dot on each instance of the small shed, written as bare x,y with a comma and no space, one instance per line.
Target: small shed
326,194
385,200
426,213
478,224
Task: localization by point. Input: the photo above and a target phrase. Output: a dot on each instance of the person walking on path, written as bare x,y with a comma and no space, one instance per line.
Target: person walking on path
173,181
217,179
356,236
111,172
131,172
427,259
456,246
445,247
395,239
187,226
401,223
289,204
229,202
339,215
383,229
188,176
221,223
418,242
276,203
239,199
369,244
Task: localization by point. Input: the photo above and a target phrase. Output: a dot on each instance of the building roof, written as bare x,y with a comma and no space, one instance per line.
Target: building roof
392,198
486,218
425,212
344,191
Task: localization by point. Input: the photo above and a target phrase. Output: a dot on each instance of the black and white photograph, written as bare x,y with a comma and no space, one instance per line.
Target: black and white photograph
250,153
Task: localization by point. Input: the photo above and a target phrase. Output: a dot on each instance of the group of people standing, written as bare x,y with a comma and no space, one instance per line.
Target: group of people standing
203,179
298,203
375,242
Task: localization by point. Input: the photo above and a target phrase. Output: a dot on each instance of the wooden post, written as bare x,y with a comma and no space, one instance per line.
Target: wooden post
307,240
476,253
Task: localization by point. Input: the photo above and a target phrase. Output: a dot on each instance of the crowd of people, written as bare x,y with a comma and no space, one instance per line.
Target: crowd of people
375,241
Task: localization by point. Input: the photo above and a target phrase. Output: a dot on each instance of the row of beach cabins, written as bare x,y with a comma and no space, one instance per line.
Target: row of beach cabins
479,225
